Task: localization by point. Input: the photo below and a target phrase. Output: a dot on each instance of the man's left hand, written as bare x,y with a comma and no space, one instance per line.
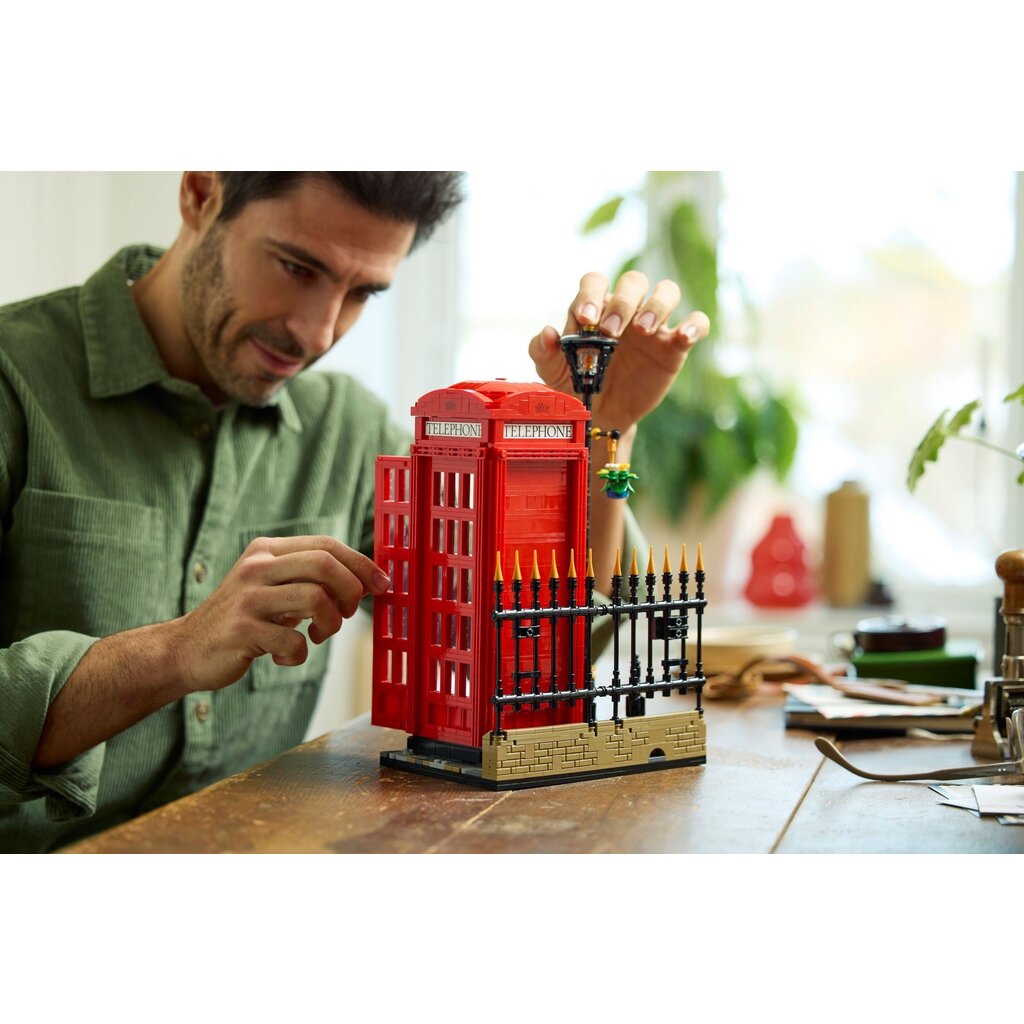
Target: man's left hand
650,353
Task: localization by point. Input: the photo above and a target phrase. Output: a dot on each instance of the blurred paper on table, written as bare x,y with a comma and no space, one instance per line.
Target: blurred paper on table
1000,799
830,704
957,796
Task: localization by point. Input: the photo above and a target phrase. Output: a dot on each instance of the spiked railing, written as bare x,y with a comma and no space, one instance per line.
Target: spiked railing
668,622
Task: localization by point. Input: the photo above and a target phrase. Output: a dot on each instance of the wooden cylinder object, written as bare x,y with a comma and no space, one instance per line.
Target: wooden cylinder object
846,569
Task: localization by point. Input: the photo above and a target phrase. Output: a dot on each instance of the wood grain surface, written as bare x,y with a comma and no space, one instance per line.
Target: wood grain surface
763,790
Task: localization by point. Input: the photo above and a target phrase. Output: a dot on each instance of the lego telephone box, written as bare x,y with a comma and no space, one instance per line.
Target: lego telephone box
496,468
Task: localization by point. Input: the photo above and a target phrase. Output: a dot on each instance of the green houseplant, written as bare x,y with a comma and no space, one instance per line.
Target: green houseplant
951,426
713,429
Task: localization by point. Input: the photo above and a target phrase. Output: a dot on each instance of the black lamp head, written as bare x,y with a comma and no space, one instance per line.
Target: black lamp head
588,355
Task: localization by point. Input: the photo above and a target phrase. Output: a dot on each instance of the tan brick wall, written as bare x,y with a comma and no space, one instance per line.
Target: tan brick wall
565,749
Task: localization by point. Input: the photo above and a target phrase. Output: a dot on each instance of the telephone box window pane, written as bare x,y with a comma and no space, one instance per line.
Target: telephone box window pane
451,489
404,678
405,623
453,584
467,586
453,537
438,538
437,628
439,489
405,531
449,675
438,582
450,631
467,537
467,490
403,485
389,623
467,631
405,577
436,663
391,530
464,681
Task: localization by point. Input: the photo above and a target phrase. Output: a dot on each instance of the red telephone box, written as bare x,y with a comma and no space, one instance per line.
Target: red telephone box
495,467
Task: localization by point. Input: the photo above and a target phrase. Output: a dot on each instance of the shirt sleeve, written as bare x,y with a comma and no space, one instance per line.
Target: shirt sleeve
602,628
33,671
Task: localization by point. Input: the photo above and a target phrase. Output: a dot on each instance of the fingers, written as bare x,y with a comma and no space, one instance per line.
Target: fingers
624,303
325,551
316,567
629,307
290,603
287,580
547,357
285,646
653,314
585,310
691,330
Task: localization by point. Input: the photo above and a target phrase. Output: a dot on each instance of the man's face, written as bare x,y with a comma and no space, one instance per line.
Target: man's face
269,292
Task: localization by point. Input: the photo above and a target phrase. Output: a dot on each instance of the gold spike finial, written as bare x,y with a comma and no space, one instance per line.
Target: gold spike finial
633,570
618,563
536,570
590,563
554,565
700,559
683,566
572,564
667,567
517,572
498,578
650,560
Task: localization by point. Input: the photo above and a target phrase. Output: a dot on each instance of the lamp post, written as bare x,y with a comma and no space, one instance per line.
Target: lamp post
588,355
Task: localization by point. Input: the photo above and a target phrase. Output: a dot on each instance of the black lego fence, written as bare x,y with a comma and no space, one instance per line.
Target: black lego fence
668,626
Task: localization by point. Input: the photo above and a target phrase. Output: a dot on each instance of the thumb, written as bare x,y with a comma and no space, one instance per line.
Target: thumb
548,358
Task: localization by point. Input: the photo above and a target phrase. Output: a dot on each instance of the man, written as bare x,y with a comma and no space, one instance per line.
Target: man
182,513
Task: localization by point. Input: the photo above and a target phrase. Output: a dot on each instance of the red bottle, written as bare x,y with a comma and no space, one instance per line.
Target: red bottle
779,577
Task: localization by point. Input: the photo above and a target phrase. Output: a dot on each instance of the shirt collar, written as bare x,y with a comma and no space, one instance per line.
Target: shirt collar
121,354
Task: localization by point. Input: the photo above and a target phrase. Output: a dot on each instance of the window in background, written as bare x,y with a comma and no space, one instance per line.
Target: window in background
524,255
882,299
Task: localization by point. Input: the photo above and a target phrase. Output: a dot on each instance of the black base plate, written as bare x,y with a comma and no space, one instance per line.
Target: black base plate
470,775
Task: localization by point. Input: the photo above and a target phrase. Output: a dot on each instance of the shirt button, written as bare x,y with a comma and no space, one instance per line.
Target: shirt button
199,571
202,712
201,431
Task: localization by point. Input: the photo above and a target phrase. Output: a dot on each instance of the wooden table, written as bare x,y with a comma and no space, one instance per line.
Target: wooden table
763,790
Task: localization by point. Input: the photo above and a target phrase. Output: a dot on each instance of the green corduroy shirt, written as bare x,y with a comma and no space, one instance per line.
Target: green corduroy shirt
125,497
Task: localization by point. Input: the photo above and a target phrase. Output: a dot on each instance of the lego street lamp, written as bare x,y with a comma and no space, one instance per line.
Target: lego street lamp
588,355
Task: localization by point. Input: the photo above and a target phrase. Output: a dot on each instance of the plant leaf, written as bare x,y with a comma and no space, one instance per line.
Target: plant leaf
962,417
777,436
604,214
1016,396
695,259
927,450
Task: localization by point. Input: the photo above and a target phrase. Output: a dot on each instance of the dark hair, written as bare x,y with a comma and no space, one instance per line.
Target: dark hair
421,197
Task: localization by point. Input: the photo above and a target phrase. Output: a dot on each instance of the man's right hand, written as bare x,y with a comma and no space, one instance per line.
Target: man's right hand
278,583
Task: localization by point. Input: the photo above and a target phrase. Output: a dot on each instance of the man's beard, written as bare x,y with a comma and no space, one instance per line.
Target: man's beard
207,307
